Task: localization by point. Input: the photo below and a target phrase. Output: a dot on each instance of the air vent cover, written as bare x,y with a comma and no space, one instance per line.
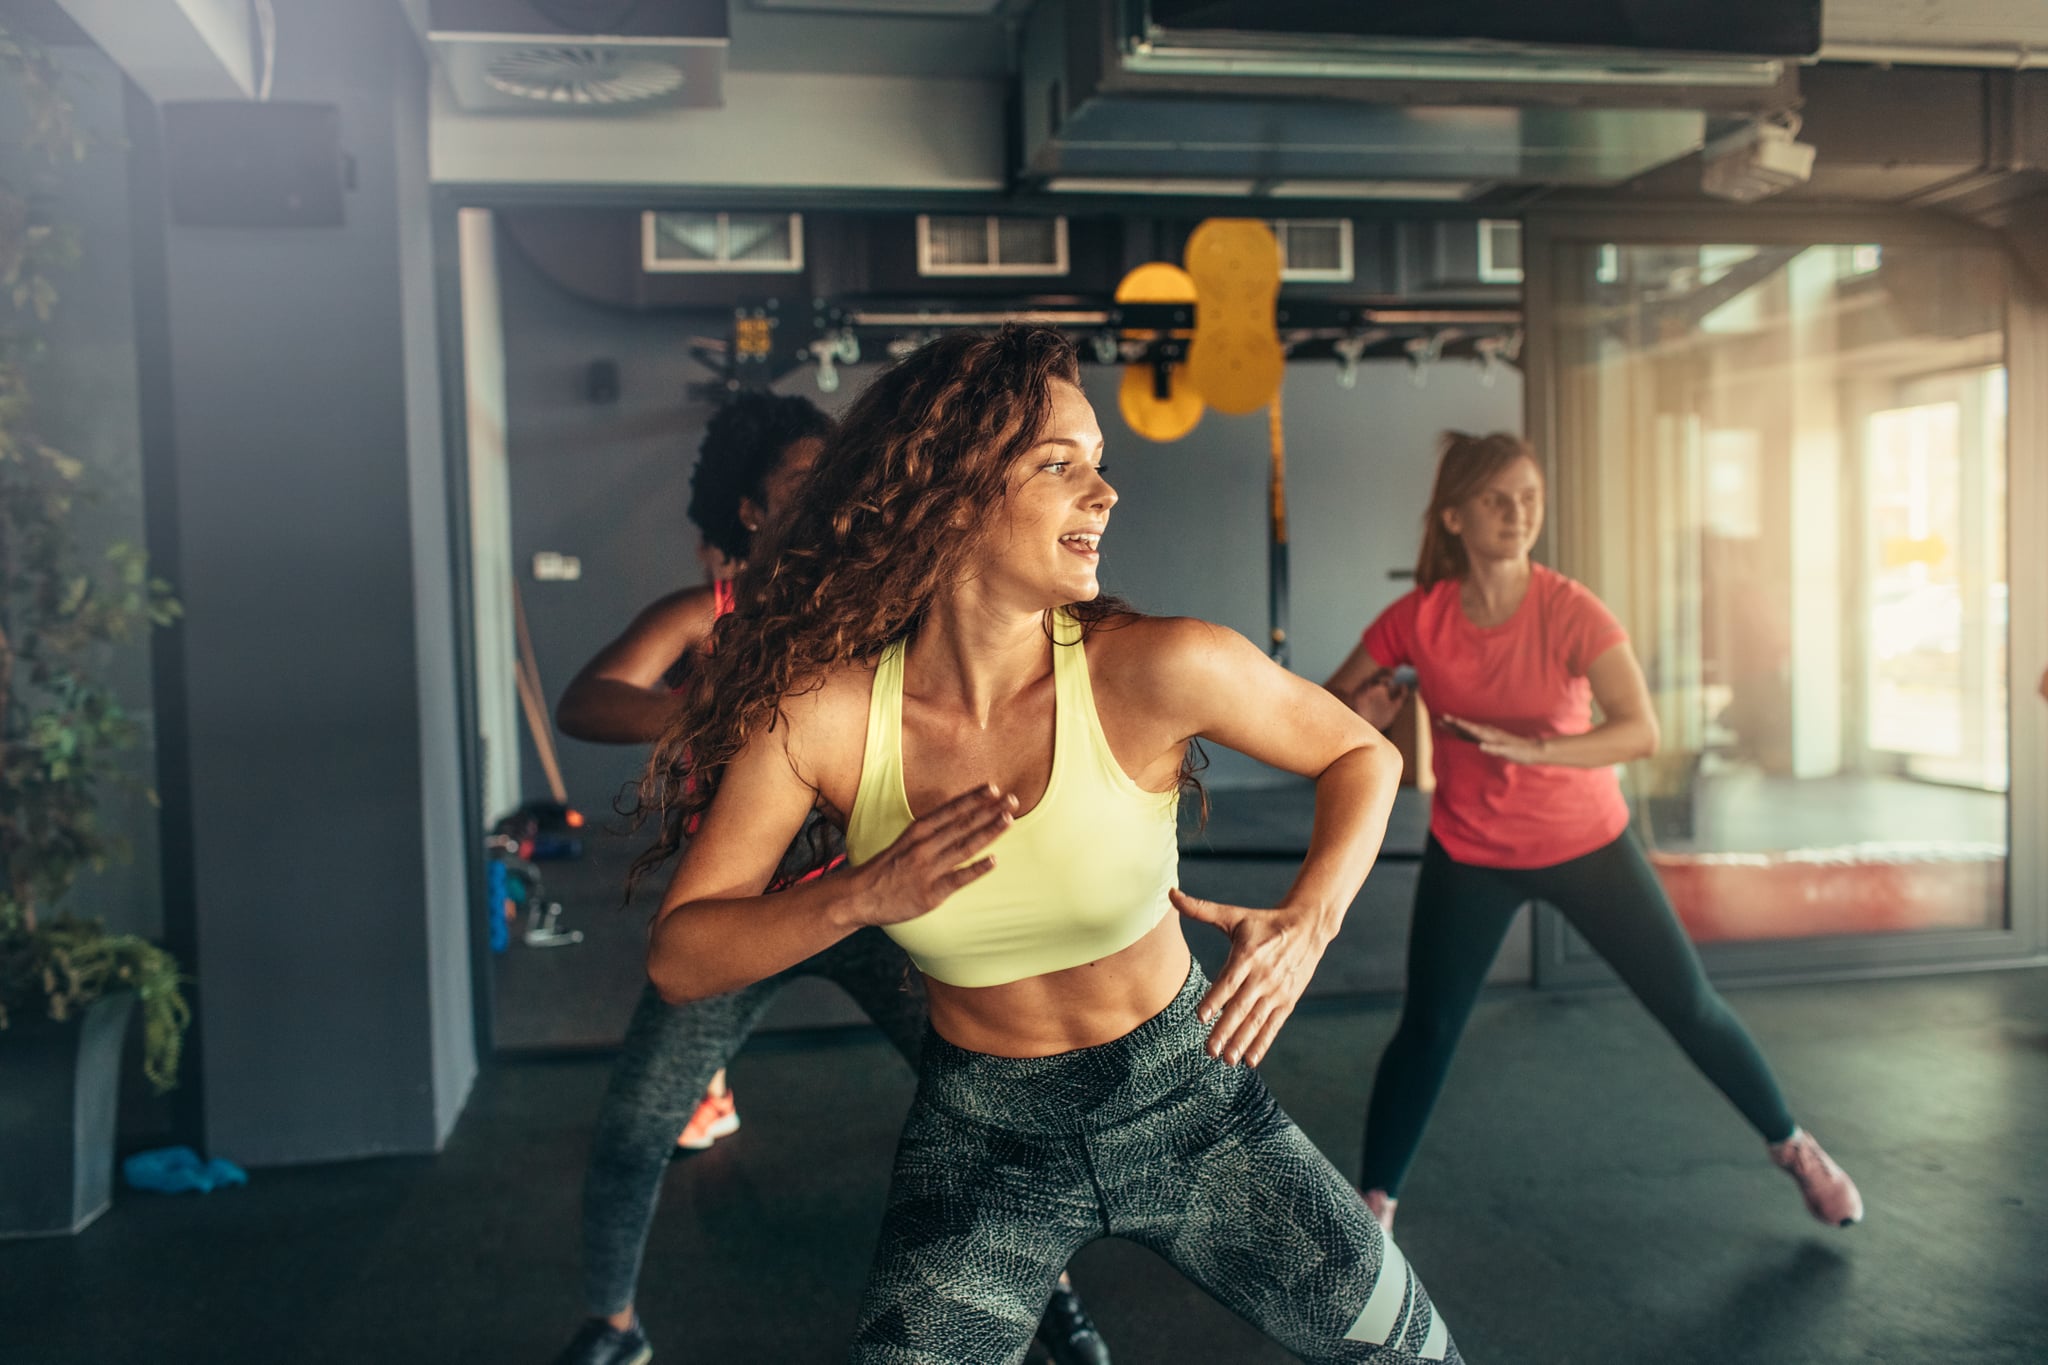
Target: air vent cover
583,75
579,56
1314,249
1500,251
699,243
990,245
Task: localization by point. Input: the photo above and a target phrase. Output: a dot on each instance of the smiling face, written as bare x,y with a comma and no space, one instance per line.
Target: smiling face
1502,520
1045,544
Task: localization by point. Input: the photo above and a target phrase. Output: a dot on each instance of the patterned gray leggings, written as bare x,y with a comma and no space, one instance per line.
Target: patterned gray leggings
1008,1166
670,1054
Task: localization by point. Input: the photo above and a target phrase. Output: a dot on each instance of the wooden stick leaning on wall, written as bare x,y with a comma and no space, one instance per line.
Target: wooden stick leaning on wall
533,702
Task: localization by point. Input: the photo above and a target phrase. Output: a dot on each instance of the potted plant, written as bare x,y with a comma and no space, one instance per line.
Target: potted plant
67,985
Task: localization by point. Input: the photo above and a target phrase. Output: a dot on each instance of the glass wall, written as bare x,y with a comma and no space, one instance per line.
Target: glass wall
1784,467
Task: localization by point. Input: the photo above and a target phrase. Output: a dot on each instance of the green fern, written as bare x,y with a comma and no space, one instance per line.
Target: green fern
60,968
61,730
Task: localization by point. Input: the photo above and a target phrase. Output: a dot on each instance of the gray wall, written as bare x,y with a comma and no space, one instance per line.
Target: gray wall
435,620
87,406
326,806
608,483
1189,534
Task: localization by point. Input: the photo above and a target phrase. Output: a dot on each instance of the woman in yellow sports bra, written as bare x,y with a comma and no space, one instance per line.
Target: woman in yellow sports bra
926,657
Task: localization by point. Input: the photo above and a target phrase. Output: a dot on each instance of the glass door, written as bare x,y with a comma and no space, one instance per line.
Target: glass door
1784,465
1935,581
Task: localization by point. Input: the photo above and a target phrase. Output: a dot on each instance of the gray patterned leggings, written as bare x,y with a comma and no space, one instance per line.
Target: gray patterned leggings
1008,1166
670,1054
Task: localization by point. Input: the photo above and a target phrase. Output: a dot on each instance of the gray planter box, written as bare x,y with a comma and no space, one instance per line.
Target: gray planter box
59,1084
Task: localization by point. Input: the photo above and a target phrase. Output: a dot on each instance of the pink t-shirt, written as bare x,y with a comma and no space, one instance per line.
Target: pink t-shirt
1527,676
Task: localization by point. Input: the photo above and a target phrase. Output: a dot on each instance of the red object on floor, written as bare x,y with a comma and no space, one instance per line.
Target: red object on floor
1854,889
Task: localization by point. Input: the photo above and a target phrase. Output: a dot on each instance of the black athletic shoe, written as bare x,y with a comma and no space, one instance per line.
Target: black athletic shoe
600,1343
1067,1332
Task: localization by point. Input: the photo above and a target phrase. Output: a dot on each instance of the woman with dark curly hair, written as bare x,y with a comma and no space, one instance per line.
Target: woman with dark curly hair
757,452
925,657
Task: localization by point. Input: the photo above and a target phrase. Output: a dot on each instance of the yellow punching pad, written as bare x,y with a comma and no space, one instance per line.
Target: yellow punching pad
1235,361
1154,417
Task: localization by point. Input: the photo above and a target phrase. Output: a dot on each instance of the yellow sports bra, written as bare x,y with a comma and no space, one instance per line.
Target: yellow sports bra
1079,876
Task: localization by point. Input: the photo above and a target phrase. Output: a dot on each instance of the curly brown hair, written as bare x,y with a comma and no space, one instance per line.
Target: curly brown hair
889,519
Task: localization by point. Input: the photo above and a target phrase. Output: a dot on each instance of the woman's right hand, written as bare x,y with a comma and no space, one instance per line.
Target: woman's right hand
935,856
1379,698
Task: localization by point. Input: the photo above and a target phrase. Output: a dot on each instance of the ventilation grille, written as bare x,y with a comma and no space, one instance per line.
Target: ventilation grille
707,243
590,58
583,75
1500,251
1315,250
990,245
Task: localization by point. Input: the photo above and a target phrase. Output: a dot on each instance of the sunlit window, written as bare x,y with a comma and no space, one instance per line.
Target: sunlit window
1785,468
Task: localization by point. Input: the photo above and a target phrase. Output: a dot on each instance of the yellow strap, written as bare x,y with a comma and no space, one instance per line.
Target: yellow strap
1235,359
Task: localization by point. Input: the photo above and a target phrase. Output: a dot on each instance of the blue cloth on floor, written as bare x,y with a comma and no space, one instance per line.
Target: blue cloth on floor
175,1170
497,890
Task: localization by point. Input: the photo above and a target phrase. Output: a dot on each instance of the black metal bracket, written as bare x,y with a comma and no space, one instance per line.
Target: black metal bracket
766,342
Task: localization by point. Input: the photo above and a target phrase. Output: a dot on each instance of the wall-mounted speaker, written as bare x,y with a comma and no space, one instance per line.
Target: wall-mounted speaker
601,381
252,165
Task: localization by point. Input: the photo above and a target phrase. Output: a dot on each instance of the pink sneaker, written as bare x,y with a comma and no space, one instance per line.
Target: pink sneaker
1382,1205
716,1117
1831,1195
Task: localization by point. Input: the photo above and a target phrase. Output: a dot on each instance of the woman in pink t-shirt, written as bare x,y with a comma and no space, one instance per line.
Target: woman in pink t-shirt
1509,656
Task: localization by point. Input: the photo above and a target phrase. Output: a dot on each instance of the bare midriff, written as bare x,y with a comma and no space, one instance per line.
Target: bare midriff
1085,1006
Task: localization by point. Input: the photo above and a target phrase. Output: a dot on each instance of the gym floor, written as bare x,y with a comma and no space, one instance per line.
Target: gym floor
1584,1197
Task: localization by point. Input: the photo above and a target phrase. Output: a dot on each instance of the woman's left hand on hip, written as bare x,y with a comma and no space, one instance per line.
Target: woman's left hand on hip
1273,953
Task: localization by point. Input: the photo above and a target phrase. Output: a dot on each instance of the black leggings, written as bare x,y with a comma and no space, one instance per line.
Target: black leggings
670,1055
1008,1166
1613,898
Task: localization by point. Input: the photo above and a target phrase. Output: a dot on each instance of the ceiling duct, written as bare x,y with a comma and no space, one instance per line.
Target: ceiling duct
580,56
1307,92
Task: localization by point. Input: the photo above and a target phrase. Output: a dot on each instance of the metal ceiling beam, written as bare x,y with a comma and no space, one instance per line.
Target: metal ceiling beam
2016,57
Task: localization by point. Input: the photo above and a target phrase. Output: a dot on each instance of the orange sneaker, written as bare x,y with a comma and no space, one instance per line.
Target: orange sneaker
715,1118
